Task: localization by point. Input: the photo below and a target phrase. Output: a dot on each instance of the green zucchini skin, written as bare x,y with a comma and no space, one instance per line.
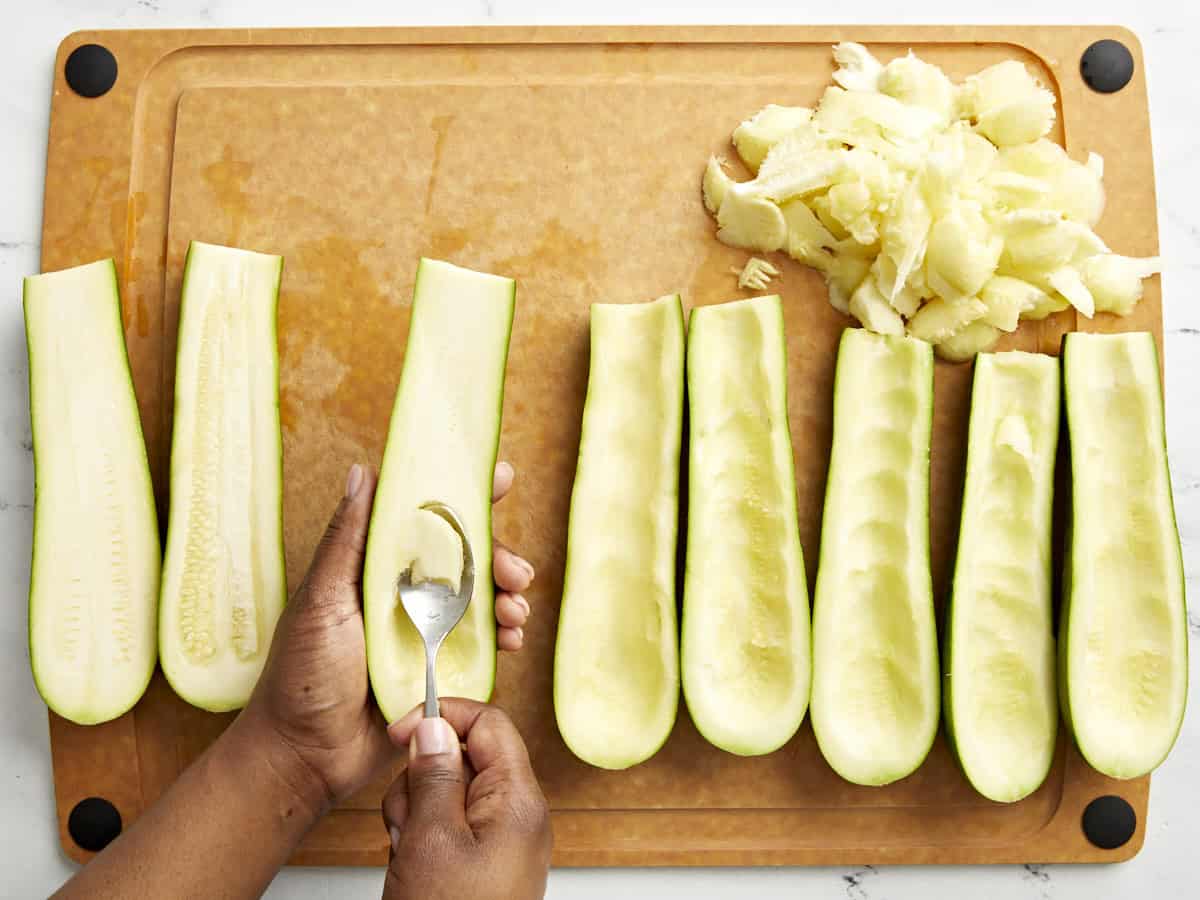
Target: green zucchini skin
746,645
875,696
1123,649
95,566
1001,711
616,661
442,444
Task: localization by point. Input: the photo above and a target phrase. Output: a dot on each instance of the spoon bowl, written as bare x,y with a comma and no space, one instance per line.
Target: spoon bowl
435,608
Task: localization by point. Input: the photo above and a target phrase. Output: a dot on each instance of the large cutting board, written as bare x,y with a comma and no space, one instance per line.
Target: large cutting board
569,159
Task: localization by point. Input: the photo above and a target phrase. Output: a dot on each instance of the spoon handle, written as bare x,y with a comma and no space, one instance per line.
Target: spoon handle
431,695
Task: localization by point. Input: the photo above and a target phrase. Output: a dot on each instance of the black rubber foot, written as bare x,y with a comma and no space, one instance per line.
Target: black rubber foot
91,70
1109,822
1106,66
94,823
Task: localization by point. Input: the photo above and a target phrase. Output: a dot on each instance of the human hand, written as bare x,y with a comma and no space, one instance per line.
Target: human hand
313,698
477,828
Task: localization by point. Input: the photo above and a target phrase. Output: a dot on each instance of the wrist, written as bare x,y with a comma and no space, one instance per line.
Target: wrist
297,790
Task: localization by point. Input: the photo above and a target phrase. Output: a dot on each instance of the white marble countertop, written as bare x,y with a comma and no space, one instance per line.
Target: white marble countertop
1170,33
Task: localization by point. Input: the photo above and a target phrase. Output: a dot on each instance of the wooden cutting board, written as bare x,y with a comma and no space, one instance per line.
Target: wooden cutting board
570,159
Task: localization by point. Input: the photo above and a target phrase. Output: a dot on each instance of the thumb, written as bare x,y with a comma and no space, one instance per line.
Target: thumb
338,561
436,779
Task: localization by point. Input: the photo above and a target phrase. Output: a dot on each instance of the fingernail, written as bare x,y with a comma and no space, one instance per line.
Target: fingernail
354,481
526,565
520,634
394,834
431,737
522,602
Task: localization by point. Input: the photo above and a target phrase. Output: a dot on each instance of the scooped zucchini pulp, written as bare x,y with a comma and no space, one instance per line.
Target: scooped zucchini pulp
935,209
746,642
875,656
93,587
1000,703
616,660
223,584
441,446
1123,651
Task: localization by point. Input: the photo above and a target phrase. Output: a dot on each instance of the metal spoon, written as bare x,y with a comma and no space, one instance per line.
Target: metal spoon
435,609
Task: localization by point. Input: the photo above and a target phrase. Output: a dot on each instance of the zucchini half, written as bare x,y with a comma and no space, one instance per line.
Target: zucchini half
1123,650
747,664
223,582
441,446
616,660
1000,703
93,584
875,692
